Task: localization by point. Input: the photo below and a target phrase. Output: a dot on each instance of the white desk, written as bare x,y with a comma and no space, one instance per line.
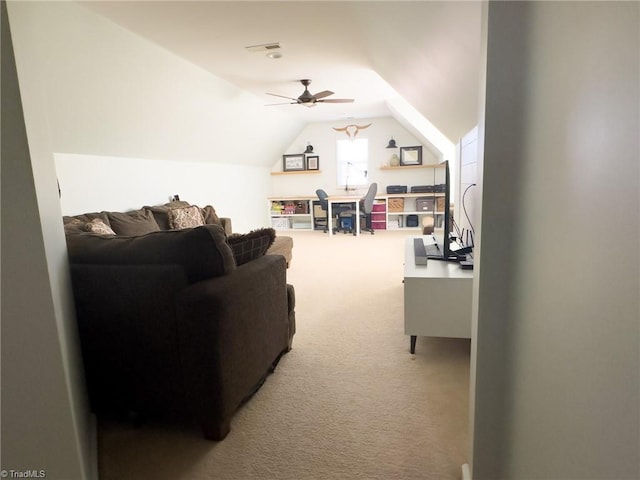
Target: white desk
343,199
437,297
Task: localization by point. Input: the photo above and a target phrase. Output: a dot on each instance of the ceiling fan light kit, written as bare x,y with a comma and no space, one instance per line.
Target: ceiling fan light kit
310,100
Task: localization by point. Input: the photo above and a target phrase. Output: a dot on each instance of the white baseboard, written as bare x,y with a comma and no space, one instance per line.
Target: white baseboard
466,473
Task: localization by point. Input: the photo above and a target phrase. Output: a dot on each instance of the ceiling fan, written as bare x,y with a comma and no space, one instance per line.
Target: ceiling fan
309,100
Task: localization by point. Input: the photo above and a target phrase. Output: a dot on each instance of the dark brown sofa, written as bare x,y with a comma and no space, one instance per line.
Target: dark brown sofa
172,325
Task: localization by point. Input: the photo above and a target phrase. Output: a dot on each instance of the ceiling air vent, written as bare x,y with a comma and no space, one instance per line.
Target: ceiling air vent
265,47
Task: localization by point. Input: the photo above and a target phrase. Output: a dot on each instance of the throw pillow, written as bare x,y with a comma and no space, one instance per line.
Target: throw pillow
160,212
131,224
98,227
252,245
185,217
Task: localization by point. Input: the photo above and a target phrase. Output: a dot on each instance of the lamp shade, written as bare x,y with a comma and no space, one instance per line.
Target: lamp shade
392,143
309,148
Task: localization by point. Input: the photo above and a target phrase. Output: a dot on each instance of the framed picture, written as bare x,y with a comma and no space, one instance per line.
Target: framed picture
411,155
313,162
293,163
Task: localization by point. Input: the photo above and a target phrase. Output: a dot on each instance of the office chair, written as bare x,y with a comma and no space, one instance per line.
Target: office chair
366,207
324,205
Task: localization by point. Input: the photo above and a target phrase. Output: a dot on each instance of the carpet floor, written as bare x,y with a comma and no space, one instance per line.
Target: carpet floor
348,402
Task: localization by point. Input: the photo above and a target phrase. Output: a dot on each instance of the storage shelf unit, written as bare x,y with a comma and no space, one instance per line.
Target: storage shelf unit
402,207
291,213
390,212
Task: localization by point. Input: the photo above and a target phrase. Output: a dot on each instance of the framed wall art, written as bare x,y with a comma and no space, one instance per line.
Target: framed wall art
411,155
313,162
293,163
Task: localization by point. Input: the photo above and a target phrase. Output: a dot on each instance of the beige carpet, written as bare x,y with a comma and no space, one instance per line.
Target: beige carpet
348,402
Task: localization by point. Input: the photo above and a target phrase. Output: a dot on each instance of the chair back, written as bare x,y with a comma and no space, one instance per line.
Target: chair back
367,201
322,196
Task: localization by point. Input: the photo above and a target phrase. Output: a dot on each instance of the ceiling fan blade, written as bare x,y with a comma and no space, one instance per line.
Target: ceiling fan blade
323,94
284,103
337,100
283,96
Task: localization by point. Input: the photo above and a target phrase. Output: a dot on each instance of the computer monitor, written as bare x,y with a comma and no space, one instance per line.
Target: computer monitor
442,219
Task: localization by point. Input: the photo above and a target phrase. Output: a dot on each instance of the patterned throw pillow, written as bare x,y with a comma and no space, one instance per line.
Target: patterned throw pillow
252,245
98,227
185,217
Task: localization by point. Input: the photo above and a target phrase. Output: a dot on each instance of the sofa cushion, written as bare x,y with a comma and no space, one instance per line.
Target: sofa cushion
137,222
185,217
282,245
249,246
202,251
160,212
98,227
73,225
210,216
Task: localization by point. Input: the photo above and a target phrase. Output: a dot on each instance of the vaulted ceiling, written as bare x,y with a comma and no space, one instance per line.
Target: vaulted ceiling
426,52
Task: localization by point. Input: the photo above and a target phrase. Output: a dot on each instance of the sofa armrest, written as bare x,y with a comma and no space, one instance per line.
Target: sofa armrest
126,322
237,325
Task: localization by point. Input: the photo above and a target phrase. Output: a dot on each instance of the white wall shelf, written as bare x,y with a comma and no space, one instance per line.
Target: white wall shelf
407,167
297,172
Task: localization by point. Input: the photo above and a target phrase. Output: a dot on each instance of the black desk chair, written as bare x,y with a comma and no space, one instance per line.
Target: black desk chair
324,205
366,207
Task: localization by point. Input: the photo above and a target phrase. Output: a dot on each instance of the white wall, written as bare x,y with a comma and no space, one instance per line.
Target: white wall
556,355
466,213
91,183
110,92
46,425
323,138
165,125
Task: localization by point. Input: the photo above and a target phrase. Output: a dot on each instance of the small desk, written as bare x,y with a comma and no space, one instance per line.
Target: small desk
343,199
437,297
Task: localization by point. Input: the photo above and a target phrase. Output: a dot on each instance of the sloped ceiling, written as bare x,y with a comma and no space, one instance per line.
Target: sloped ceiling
426,52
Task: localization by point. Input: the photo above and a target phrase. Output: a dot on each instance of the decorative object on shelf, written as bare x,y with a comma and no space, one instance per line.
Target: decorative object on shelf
313,162
293,163
395,204
395,160
352,128
392,144
289,208
411,155
276,208
309,148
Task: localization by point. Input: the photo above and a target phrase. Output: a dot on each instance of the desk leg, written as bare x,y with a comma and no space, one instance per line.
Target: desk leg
413,343
329,219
